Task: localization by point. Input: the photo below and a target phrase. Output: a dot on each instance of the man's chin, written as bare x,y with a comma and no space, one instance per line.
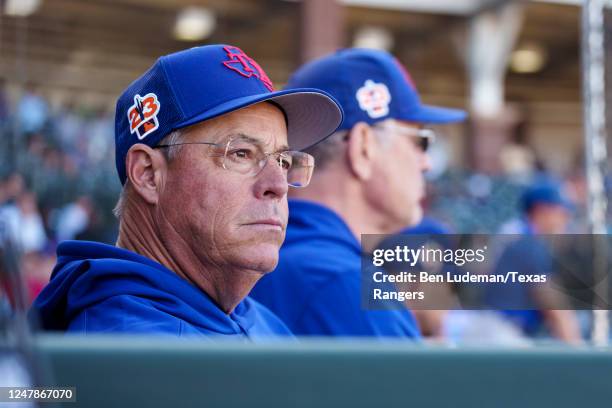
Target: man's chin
418,217
262,258
412,219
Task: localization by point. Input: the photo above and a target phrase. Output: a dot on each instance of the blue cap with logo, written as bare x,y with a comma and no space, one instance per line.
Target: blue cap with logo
371,86
201,83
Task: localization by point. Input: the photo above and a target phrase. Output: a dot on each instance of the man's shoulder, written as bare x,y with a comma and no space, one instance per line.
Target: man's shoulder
87,259
96,291
125,313
336,309
320,256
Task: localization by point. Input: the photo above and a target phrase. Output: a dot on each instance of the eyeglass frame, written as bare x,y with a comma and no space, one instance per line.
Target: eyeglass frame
427,136
264,160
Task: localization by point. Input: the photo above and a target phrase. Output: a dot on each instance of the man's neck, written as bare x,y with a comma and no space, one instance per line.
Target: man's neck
346,200
138,233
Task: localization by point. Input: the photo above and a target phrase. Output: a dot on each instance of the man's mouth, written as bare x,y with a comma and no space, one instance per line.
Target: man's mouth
268,223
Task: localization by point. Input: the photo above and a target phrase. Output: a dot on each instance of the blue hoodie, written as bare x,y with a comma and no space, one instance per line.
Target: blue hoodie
101,288
316,287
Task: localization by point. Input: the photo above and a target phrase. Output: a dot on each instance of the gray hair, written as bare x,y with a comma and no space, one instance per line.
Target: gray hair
330,149
170,153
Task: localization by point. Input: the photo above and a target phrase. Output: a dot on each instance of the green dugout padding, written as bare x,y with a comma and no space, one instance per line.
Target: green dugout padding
165,372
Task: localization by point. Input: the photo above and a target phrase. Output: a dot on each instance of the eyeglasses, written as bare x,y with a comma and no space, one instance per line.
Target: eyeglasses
245,156
424,138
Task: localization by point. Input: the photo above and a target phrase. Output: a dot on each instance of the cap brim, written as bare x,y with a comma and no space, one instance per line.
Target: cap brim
312,115
436,115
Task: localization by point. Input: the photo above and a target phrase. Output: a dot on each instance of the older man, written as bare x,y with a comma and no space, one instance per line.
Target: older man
203,153
370,181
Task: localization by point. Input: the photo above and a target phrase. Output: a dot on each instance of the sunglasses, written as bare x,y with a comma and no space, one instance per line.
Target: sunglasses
423,138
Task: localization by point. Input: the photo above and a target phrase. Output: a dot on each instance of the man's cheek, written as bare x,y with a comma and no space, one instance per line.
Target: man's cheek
285,211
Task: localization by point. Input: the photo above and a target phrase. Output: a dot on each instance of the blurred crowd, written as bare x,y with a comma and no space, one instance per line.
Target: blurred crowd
57,179
471,202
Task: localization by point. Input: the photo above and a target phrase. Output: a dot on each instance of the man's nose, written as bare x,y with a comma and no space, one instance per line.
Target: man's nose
272,180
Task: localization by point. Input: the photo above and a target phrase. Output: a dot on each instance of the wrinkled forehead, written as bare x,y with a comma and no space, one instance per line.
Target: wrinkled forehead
263,124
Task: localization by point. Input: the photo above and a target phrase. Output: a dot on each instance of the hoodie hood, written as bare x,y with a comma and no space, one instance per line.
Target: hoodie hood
98,287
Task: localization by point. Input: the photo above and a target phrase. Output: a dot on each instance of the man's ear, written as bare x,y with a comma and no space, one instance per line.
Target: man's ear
361,150
146,169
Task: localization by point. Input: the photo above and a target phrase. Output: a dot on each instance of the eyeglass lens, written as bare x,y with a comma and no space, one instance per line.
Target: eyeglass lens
248,158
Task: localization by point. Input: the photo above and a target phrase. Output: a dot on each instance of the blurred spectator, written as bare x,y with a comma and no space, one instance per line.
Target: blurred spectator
517,161
32,111
100,146
25,224
74,219
546,212
68,126
36,269
11,188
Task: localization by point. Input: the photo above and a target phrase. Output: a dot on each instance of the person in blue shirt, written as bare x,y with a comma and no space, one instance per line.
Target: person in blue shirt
546,211
206,151
369,180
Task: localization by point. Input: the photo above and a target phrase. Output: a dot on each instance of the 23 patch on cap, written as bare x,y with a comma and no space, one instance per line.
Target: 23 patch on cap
142,115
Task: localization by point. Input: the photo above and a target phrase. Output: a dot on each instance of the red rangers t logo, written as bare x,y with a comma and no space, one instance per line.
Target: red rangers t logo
142,115
246,66
374,98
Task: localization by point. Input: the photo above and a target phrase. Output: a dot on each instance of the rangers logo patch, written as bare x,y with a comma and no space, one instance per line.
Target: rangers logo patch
142,115
246,66
374,98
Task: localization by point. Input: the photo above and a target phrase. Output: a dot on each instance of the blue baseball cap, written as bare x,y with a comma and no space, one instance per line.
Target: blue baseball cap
544,192
371,86
201,83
